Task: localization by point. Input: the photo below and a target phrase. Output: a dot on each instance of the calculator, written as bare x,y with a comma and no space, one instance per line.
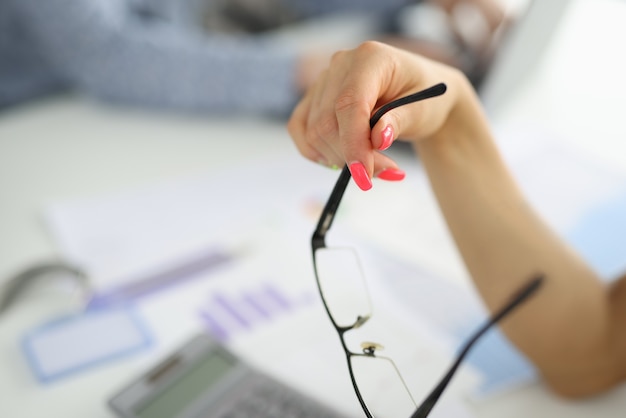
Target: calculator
203,379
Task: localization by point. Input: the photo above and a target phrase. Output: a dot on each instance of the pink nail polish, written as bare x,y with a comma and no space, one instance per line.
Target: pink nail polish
387,135
359,174
391,174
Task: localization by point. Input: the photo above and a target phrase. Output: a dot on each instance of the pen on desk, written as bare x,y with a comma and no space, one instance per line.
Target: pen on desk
153,283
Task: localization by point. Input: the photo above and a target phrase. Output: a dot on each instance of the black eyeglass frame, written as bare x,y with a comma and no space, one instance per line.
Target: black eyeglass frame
318,241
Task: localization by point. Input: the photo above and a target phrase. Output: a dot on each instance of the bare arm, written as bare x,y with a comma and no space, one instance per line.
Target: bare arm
574,329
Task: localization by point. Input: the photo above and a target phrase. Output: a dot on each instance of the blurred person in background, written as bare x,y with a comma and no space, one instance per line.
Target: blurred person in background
209,55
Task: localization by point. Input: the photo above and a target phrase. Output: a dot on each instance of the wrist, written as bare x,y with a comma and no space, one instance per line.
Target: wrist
465,121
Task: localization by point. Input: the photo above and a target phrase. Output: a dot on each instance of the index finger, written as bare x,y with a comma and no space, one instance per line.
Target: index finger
354,104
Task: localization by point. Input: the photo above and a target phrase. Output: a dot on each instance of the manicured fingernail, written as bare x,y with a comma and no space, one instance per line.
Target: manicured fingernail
359,174
391,174
387,135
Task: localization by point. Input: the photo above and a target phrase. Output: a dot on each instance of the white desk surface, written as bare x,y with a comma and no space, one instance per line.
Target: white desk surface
67,147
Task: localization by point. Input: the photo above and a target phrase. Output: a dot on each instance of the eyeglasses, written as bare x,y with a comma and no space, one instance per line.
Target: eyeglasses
377,382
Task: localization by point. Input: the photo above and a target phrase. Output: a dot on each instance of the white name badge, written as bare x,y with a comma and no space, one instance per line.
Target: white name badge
74,343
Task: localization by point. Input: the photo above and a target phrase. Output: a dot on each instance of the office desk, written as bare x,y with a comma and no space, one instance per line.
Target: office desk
68,146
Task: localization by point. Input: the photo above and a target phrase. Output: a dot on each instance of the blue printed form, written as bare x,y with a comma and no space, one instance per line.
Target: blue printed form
74,343
600,237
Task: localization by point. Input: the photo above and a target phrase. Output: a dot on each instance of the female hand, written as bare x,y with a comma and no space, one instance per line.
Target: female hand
331,123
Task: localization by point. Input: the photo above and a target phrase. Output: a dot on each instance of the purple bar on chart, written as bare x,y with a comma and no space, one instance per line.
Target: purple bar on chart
213,326
276,297
228,306
258,307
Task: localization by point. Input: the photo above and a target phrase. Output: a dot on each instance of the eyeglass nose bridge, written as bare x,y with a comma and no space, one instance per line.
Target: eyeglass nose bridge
369,348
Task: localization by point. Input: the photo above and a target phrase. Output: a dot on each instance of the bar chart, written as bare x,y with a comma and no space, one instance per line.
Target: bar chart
228,312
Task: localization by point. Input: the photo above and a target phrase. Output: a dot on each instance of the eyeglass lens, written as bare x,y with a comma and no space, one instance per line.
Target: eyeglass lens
381,387
342,282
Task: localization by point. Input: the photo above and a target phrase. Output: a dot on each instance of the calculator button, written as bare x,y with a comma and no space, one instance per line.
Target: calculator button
268,399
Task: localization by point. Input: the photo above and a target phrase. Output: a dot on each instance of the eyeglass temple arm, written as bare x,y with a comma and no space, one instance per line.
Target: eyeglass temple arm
328,214
427,405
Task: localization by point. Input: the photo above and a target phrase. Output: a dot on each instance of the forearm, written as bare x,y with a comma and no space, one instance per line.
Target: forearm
566,328
574,328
